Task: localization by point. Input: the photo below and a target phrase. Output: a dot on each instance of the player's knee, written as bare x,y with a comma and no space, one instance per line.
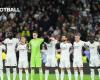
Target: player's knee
46,68
67,68
75,68
92,70
26,70
62,69
32,70
14,69
40,70
98,69
81,68
55,68
20,69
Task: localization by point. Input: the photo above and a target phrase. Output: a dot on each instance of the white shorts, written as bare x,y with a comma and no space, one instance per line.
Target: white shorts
77,62
51,61
94,62
1,65
23,63
11,61
64,63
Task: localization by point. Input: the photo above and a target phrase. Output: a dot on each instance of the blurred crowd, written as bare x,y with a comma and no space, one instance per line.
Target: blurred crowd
55,18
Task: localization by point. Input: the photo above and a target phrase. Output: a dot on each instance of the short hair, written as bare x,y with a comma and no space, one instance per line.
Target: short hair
35,32
77,34
24,37
66,35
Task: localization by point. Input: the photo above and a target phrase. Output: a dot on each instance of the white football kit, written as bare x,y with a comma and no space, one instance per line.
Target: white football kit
94,54
51,54
2,47
77,55
23,56
65,55
11,53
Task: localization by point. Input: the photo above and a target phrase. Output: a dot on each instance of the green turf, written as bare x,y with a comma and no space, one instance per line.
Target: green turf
52,77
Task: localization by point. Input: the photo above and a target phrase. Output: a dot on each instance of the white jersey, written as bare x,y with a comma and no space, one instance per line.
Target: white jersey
94,56
78,49
23,55
23,50
77,60
65,55
65,49
93,48
11,45
11,56
51,50
51,54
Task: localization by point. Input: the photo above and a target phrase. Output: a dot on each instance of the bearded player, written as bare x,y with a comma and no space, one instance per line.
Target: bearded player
65,47
11,61
94,61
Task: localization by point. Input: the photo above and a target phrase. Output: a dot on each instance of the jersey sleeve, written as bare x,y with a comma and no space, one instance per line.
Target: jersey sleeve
16,40
83,43
70,45
60,45
3,47
5,41
97,43
41,40
87,43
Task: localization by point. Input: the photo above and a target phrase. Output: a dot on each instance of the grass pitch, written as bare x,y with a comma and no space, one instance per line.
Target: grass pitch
52,77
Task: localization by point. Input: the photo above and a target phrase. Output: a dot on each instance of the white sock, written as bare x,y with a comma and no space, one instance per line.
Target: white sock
1,74
92,74
32,74
99,73
14,73
81,74
69,74
41,74
62,74
27,74
76,75
40,71
20,74
57,74
8,73
46,74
